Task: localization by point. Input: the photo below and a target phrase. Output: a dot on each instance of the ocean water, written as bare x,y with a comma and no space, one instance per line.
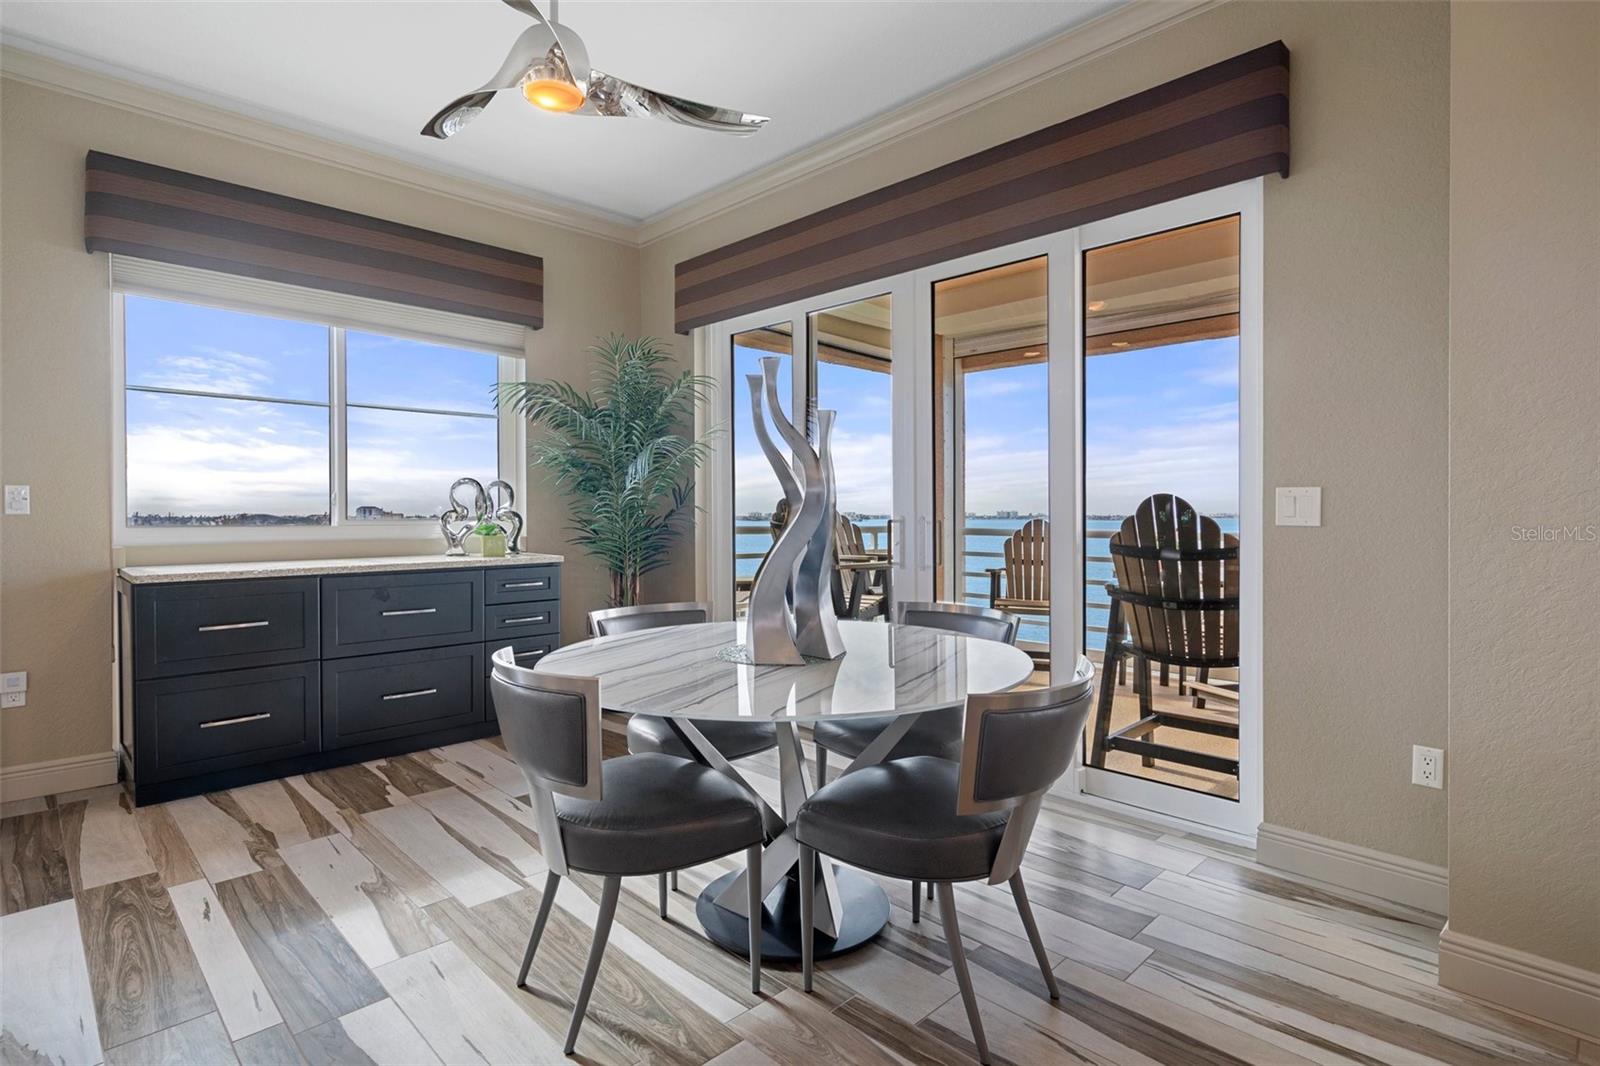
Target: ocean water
1098,534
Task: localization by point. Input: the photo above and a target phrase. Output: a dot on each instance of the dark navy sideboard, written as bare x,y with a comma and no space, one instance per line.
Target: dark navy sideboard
232,675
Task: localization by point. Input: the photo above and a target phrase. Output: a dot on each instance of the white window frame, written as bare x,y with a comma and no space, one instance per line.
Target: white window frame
914,551
285,301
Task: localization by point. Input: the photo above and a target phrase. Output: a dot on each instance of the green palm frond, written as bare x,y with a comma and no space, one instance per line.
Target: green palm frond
620,452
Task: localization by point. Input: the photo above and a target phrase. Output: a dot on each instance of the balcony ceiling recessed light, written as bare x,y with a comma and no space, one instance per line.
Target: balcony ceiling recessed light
1097,305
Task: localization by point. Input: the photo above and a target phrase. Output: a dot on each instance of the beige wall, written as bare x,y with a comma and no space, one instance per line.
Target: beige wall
55,385
1355,349
1525,453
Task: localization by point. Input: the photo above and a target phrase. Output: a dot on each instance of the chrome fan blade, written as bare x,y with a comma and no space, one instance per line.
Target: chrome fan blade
531,44
612,97
572,47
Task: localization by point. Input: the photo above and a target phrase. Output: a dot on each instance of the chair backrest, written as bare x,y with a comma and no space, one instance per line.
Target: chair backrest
1178,582
613,620
1027,559
1014,746
983,622
551,726
847,538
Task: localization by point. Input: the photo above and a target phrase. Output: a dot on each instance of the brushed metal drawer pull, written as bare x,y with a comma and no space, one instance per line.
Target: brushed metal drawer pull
241,720
411,695
233,625
525,621
414,610
539,584
519,656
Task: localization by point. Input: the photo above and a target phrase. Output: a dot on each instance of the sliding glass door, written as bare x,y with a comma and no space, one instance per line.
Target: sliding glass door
1000,418
1169,357
848,352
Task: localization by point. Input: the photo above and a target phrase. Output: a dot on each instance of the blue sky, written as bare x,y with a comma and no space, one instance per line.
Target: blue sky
205,455
1156,419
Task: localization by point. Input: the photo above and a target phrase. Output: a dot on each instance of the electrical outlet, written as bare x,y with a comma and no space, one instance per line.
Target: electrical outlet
13,699
17,499
1427,766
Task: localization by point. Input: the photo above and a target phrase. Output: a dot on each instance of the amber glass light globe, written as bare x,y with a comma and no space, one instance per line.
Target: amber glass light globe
549,86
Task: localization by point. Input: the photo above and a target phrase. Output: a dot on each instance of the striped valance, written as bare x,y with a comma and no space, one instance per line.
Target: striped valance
138,209
1216,126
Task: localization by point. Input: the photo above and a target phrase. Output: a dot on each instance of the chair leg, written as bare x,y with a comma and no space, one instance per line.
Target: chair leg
661,885
958,961
752,876
930,891
916,901
552,879
597,948
1025,912
808,932
822,766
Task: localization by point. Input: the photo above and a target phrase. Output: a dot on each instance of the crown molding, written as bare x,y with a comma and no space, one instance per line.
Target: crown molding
33,63
1068,49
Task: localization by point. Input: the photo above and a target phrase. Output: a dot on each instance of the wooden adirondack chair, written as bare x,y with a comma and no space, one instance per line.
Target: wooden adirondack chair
1022,585
1177,597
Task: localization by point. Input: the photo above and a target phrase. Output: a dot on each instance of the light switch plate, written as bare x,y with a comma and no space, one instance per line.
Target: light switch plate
1299,507
16,681
17,499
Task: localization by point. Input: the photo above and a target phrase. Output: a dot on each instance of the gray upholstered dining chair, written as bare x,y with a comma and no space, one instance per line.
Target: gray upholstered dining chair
651,733
935,733
621,817
929,819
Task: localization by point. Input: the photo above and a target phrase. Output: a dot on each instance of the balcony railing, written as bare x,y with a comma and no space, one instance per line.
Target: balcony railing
875,536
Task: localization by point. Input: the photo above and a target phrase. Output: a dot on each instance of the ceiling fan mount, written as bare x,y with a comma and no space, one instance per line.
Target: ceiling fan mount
549,64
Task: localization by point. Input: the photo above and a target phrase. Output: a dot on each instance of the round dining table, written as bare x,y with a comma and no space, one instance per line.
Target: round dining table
700,672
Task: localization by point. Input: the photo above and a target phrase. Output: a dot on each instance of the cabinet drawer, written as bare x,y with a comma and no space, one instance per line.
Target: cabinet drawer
528,650
195,725
223,625
520,584
377,697
502,621
392,612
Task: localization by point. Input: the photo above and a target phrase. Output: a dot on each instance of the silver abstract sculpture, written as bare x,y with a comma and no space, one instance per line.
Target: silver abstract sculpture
790,612
471,514
503,516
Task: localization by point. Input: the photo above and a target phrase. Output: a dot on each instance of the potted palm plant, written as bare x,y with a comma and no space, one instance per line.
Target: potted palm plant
623,453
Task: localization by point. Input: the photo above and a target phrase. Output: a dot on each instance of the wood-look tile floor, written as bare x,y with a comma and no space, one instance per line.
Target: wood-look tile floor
377,913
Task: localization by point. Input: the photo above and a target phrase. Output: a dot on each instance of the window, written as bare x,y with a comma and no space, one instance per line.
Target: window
756,492
236,420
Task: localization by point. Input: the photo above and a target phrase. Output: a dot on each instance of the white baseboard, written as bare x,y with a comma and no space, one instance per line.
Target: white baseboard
1376,873
1528,984
57,775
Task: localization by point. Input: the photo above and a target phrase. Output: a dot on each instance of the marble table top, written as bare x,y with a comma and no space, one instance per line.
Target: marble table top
166,574
886,670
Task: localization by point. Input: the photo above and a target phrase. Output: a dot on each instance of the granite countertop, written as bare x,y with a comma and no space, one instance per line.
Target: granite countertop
157,575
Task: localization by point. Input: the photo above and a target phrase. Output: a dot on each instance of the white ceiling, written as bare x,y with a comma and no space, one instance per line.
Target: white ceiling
370,72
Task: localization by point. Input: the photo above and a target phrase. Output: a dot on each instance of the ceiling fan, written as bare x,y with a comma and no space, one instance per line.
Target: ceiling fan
549,63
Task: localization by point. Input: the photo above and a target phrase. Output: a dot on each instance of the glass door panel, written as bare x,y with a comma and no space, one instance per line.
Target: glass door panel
991,431
756,492
853,370
1161,406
